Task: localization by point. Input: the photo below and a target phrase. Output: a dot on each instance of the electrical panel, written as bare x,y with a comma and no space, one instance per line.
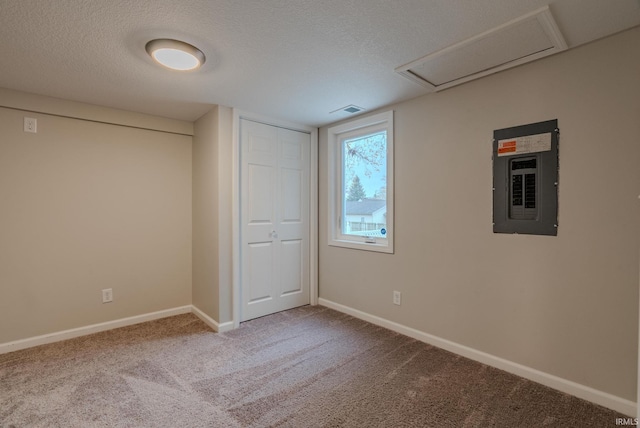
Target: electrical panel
525,179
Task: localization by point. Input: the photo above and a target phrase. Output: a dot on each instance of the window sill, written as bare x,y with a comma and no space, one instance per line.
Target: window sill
377,247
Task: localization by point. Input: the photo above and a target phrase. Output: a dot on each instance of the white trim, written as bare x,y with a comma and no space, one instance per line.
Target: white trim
90,329
235,220
336,134
217,327
605,399
313,219
235,209
110,325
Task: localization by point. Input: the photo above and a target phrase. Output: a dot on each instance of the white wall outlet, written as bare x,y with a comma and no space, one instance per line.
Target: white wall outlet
107,295
397,297
30,124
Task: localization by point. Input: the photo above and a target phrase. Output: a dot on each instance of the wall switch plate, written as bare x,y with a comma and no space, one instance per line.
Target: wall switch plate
30,124
107,295
397,297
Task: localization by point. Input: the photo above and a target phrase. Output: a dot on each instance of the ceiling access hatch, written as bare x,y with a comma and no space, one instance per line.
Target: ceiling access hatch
530,37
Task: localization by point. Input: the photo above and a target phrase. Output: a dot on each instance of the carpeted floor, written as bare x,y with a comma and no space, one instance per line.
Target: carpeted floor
308,367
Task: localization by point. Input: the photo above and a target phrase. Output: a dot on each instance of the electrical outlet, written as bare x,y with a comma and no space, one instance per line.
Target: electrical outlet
397,297
30,124
107,295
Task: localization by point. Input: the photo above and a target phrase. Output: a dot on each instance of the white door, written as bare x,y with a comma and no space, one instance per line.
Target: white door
274,215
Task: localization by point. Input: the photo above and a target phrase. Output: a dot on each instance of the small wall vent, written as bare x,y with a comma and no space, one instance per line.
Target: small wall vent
519,41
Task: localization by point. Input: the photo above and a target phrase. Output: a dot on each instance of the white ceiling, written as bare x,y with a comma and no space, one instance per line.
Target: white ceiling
296,60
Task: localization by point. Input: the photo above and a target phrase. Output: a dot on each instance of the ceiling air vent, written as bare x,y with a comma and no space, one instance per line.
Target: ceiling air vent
519,41
351,109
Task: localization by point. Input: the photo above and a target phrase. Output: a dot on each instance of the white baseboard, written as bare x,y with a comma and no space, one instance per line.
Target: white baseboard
90,329
218,327
110,325
605,399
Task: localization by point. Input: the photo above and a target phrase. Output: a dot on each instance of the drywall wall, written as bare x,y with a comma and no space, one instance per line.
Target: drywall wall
88,206
58,107
225,210
565,305
205,215
212,245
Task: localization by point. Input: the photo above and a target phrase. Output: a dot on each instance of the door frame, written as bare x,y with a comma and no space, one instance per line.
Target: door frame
236,303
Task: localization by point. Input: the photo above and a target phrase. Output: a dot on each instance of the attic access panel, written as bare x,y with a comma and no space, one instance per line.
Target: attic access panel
519,41
525,179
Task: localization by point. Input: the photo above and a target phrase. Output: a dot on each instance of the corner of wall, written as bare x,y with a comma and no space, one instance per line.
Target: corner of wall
225,203
204,290
212,214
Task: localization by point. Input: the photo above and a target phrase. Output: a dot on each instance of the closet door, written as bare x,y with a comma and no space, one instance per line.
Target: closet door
274,208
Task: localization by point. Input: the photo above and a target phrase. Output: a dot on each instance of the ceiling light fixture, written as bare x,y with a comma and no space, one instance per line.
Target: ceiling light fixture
175,54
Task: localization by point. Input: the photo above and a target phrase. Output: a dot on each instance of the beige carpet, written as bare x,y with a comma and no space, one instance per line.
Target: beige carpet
308,367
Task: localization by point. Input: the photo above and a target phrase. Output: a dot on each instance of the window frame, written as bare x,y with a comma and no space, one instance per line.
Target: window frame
336,134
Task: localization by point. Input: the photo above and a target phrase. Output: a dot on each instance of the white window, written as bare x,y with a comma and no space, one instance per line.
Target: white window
361,183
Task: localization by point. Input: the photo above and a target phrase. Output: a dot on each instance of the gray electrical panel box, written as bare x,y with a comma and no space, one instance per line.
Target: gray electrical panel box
525,179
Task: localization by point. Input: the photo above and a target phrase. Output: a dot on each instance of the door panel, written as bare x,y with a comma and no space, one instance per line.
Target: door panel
292,254
274,183
291,184
260,260
260,188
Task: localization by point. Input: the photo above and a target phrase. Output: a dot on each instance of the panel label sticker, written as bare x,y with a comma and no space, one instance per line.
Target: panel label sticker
526,144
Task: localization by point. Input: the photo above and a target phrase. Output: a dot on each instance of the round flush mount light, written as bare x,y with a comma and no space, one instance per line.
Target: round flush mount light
175,54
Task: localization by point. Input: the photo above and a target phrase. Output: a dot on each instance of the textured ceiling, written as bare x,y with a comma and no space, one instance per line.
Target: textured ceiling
295,60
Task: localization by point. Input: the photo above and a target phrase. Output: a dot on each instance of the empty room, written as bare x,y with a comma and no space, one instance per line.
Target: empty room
319,213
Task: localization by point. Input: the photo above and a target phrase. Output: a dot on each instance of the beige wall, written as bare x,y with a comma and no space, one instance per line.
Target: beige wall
58,107
225,222
212,169
205,215
87,206
565,305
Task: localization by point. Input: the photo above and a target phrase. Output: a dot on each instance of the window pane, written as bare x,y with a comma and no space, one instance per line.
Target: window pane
364,185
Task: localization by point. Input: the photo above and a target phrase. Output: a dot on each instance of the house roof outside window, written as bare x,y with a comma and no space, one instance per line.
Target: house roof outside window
364,206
